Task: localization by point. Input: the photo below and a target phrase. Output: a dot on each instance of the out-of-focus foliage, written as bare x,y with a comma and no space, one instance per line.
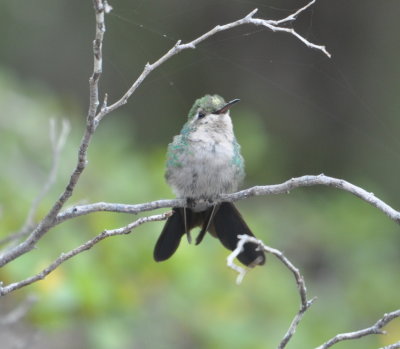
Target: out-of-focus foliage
299,114
119,297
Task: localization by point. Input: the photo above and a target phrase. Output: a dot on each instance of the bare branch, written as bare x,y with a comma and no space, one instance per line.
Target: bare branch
81,210
392,346
274,189
304,302
273,25
47,222
374,329
84,247
293,16
230,260
308,181
94,116
100,8
18,312
57,140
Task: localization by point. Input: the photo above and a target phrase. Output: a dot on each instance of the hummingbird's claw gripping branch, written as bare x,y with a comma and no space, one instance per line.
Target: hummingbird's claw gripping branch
94,115
274,189
56,216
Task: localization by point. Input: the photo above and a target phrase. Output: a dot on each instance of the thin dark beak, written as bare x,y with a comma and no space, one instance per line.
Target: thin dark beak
225,108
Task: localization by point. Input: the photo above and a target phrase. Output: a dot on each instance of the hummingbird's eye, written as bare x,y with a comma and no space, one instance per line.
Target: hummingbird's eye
201,115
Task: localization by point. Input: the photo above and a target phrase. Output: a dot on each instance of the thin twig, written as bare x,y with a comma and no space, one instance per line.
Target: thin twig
95,115
305,304
84,247
57,140
49,220
273,25
374,329
293,16
230,260
274,189
19,311
308,181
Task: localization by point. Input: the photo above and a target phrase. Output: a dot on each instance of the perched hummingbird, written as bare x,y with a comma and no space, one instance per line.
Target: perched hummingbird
204,161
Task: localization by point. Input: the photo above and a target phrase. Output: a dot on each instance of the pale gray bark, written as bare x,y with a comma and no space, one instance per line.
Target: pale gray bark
58,214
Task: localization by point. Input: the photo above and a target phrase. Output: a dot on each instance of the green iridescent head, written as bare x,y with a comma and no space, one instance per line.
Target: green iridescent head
207,104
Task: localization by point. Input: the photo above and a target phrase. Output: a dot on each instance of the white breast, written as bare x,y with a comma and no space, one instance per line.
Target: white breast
207,167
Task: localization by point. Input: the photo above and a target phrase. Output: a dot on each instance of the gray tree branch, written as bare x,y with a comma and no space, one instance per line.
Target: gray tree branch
274,25
274,189
100,7
94,116
19,312
57,141
305,303
301,286
374,329
392,346
84,247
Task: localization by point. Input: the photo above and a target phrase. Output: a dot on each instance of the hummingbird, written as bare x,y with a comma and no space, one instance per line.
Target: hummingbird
203,162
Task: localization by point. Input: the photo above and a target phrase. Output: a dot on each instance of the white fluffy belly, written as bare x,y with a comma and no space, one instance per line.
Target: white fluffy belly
206,171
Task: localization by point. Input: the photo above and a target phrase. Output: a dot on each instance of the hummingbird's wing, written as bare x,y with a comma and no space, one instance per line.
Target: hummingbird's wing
227,225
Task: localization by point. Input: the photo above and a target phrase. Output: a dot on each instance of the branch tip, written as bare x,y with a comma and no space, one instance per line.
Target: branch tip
252,13
104,105
107,7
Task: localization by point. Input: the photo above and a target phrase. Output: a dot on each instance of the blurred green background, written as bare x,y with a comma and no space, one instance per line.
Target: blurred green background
300,113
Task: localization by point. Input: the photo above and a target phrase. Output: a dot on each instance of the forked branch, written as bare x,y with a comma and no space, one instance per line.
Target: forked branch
95,115
301,286
304,302
273,189
57,142
374,329
84,247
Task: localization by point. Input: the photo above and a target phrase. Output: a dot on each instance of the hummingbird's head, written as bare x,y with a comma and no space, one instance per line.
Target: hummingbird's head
211,111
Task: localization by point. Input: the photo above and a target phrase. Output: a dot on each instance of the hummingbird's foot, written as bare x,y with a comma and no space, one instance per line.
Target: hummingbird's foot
187,231
211,201
197,204
189,237
190,202
206,224
201,204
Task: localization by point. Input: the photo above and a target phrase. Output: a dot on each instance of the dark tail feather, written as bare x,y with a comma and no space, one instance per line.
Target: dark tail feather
228,224
180,223
171,235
